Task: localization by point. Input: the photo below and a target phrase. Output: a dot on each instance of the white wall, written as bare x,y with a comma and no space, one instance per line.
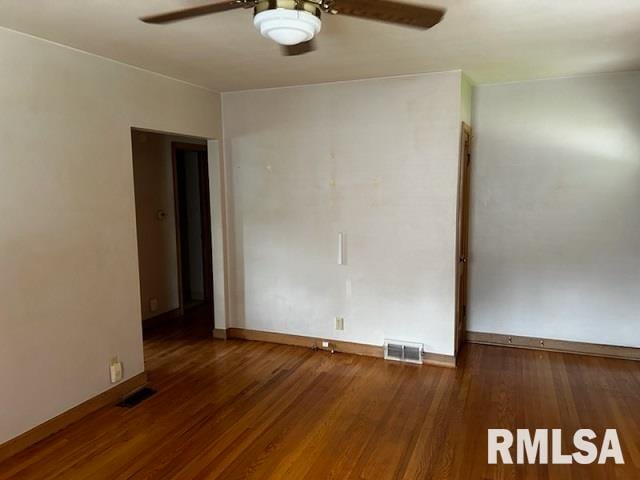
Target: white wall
555,219
376,159
69,285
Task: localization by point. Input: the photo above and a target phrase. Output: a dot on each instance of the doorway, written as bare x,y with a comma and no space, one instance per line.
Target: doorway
173,220
462,242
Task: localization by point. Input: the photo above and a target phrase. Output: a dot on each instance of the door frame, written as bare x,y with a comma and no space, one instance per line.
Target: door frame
205,213
462,236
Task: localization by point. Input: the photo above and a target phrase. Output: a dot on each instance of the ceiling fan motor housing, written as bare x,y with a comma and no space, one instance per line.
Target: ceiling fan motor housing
287,22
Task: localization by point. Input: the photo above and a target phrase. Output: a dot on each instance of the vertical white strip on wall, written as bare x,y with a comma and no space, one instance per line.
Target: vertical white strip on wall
341,249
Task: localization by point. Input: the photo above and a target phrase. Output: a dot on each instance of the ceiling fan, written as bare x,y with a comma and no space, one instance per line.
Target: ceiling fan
294,23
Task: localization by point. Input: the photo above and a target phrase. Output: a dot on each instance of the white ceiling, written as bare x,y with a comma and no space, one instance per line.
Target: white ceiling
490,40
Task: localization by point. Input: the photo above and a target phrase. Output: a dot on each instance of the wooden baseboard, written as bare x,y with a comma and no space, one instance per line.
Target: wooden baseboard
110,397
439,359
338,345
564,346
220,333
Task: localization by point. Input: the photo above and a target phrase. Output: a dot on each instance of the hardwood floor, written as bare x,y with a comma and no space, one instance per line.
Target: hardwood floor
240,410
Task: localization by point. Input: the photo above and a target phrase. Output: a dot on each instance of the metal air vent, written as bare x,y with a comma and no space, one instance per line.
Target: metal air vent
403,351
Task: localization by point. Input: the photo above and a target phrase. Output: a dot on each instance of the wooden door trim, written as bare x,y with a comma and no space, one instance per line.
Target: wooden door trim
206,230
463,169
175,146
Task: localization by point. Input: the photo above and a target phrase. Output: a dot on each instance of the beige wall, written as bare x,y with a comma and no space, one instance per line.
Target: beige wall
375,159
555,238
69,285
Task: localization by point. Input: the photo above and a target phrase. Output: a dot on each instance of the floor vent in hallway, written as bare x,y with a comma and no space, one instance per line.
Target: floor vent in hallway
136,397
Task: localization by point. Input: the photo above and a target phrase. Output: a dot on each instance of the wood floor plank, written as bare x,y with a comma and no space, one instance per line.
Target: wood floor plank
248,410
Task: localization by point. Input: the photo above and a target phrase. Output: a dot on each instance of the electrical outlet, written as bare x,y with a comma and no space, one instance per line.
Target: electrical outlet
153,304
327,345
115,370
339,323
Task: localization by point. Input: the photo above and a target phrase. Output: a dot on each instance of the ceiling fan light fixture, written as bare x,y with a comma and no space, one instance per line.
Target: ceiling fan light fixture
294,23
286,26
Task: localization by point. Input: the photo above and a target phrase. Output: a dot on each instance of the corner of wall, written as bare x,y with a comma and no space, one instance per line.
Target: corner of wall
466,99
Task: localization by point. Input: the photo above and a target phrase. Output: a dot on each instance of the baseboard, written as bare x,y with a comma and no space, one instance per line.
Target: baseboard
439,359
220,333
564,346
111,396
338,345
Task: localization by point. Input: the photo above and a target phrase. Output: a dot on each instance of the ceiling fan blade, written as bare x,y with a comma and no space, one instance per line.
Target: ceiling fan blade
196,11
391,12
299,49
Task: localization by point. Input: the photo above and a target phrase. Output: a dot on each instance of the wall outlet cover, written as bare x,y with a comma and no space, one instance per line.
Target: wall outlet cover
153,304
115,371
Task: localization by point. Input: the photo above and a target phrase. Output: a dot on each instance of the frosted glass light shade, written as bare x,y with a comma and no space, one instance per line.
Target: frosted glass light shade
287,27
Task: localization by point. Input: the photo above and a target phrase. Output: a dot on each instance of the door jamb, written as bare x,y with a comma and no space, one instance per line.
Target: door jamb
206,231
464,168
